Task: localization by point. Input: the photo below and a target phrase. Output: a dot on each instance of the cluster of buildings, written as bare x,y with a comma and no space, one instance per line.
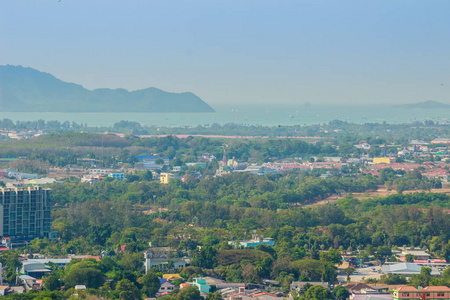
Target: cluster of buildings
19,134
97,174
253,242
32,271
228,290
15,179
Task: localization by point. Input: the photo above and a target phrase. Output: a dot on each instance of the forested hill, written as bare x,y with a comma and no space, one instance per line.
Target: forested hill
26,89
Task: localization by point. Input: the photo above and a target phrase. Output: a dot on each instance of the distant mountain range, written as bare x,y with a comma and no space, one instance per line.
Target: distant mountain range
29,90
424,104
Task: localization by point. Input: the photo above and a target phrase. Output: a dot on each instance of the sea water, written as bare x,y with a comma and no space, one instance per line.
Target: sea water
249,115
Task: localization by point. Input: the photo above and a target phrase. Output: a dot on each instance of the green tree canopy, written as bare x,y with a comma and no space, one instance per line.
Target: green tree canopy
189,293
317,292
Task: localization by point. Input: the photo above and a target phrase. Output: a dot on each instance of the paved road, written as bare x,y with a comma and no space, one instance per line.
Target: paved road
363,272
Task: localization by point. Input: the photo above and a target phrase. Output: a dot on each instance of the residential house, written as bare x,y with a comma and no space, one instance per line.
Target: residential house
362,288
298,285
165,287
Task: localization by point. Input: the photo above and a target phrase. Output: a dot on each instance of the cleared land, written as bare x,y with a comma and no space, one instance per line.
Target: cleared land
382,192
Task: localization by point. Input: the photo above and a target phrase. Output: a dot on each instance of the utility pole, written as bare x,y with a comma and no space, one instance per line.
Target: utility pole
154,206
103,155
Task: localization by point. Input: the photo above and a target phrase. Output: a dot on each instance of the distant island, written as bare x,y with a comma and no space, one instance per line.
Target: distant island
430,104
29,90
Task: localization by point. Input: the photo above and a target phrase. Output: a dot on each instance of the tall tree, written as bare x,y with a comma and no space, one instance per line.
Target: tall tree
189,293
151,284
318,292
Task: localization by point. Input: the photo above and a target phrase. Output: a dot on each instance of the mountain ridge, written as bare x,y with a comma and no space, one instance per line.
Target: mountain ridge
24,89
429,104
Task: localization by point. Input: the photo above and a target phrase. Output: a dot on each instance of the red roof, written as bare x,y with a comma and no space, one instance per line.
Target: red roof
260,294
97,258
163,294
406,288
436,289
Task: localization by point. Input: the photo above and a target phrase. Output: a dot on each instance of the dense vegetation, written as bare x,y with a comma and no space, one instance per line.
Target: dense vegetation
199,218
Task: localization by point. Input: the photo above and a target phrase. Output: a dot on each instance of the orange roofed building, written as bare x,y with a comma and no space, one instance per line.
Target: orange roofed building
428,293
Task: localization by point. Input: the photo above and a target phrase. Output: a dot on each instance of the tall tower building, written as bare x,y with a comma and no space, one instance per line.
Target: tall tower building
25,212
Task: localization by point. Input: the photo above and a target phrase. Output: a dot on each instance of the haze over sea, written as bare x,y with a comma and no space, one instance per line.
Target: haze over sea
249,115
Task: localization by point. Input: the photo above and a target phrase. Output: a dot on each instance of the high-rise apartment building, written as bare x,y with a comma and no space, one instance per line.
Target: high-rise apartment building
25,212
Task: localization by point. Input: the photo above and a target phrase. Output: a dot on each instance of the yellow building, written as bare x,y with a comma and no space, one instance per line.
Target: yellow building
164,178
381,160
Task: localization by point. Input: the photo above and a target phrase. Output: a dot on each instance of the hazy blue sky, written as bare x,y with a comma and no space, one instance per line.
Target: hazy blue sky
244,51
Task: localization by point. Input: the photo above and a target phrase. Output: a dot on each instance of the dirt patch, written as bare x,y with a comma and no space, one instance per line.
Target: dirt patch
378,193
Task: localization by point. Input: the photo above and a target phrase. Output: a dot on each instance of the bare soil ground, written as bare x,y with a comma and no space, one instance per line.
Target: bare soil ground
382,192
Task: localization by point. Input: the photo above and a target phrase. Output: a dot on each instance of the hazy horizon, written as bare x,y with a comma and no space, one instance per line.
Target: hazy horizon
252,52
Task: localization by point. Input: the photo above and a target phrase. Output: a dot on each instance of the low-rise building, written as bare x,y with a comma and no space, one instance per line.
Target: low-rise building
258,170
418,253
164,261
165,286
430,292
200,282
362,288
406,269
164,178
34,269
298,285
255,241
117,176
381,160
